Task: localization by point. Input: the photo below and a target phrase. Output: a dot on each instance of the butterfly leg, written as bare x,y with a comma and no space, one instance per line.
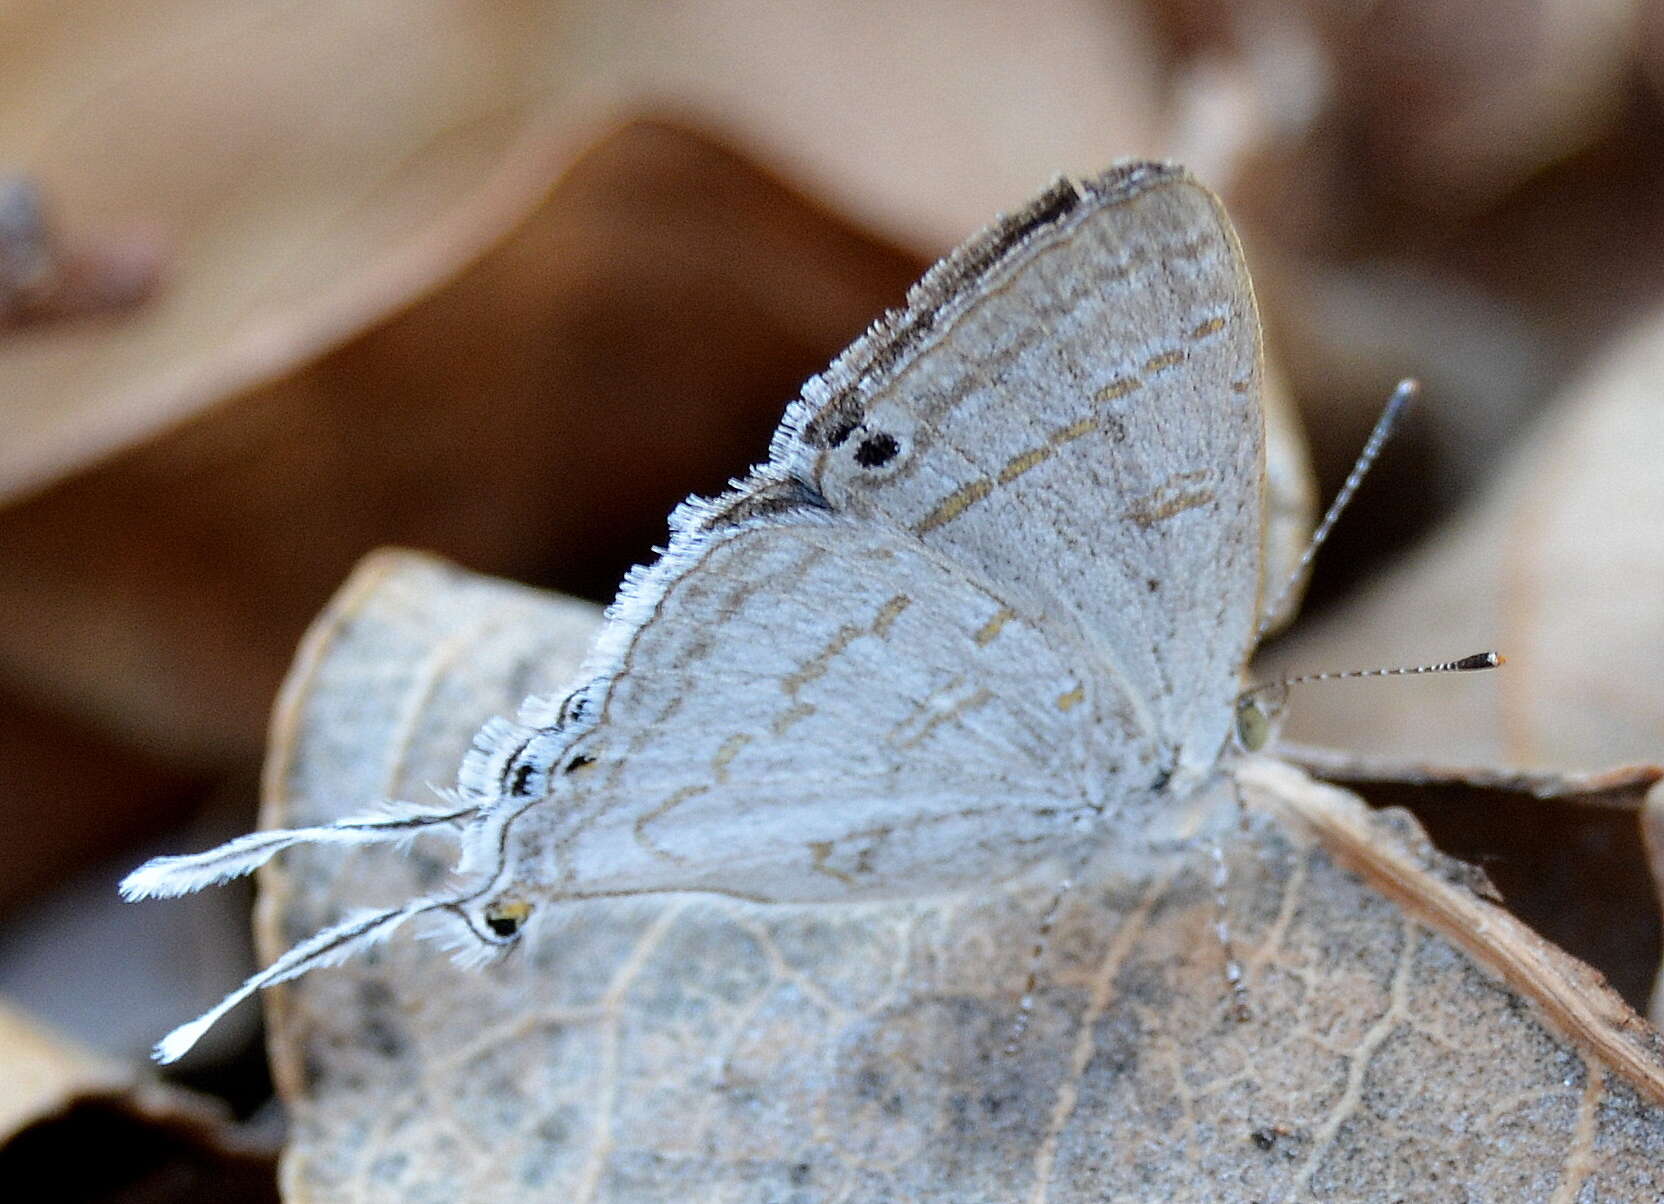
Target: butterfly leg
1234,976
1031,982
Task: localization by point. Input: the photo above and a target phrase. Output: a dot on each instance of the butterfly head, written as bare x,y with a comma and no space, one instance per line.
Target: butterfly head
1259,716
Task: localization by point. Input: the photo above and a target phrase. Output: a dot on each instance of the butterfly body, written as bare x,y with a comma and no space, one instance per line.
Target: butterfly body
986,603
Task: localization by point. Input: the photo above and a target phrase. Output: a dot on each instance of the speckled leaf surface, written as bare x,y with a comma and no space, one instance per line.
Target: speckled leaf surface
1409,1040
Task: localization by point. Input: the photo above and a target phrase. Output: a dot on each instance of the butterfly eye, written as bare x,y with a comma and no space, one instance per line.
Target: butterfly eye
1257,713
506,917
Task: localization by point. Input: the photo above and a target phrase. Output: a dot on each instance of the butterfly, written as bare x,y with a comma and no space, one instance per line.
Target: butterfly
987,603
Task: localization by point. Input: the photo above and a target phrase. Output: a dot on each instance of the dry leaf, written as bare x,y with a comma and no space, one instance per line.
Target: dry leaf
74,1126
634,339
1347,331
313,169
312,166
1555,566
923,119
28,263
1445,105
1459,102
1469,220
1653,830
695,1048
46,277
1561,849
55,821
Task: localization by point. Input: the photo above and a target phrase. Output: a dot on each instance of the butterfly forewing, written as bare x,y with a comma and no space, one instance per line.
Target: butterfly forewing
1070,409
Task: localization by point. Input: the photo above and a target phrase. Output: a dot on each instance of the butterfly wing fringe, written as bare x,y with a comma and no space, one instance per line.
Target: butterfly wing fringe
466,948
329,947
166,877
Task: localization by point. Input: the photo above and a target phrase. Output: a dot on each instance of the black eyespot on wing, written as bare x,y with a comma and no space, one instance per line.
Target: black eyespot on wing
520,780
875,451
506,917
572,708
578,762
838,435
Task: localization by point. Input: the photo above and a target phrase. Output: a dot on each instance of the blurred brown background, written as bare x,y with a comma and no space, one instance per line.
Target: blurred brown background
280,284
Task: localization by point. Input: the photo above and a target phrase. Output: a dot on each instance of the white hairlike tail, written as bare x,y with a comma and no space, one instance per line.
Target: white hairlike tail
330,947
166,877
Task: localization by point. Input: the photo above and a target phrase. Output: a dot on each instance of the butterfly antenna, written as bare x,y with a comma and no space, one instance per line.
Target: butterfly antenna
1401,397
1465,664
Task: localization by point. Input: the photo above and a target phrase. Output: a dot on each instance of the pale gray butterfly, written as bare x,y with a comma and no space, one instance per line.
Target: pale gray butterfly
989,599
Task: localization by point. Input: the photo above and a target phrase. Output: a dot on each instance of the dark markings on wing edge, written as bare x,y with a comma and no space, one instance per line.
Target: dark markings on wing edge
768,501
899,331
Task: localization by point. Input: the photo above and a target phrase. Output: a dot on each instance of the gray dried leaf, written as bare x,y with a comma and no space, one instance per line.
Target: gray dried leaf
1409,1038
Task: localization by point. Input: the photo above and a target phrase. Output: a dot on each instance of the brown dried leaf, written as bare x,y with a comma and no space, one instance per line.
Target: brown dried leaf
1451,191
46,277
921,119
115,795
685,1048
1652,44
316,170
1652,828
1347,331
1556,567
1463,101
1561,849
312,168
44,1072
60,1103
1446,104
633,339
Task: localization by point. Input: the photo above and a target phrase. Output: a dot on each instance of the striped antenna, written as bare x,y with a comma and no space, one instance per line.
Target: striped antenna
1258,706
1401,397
1466,664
